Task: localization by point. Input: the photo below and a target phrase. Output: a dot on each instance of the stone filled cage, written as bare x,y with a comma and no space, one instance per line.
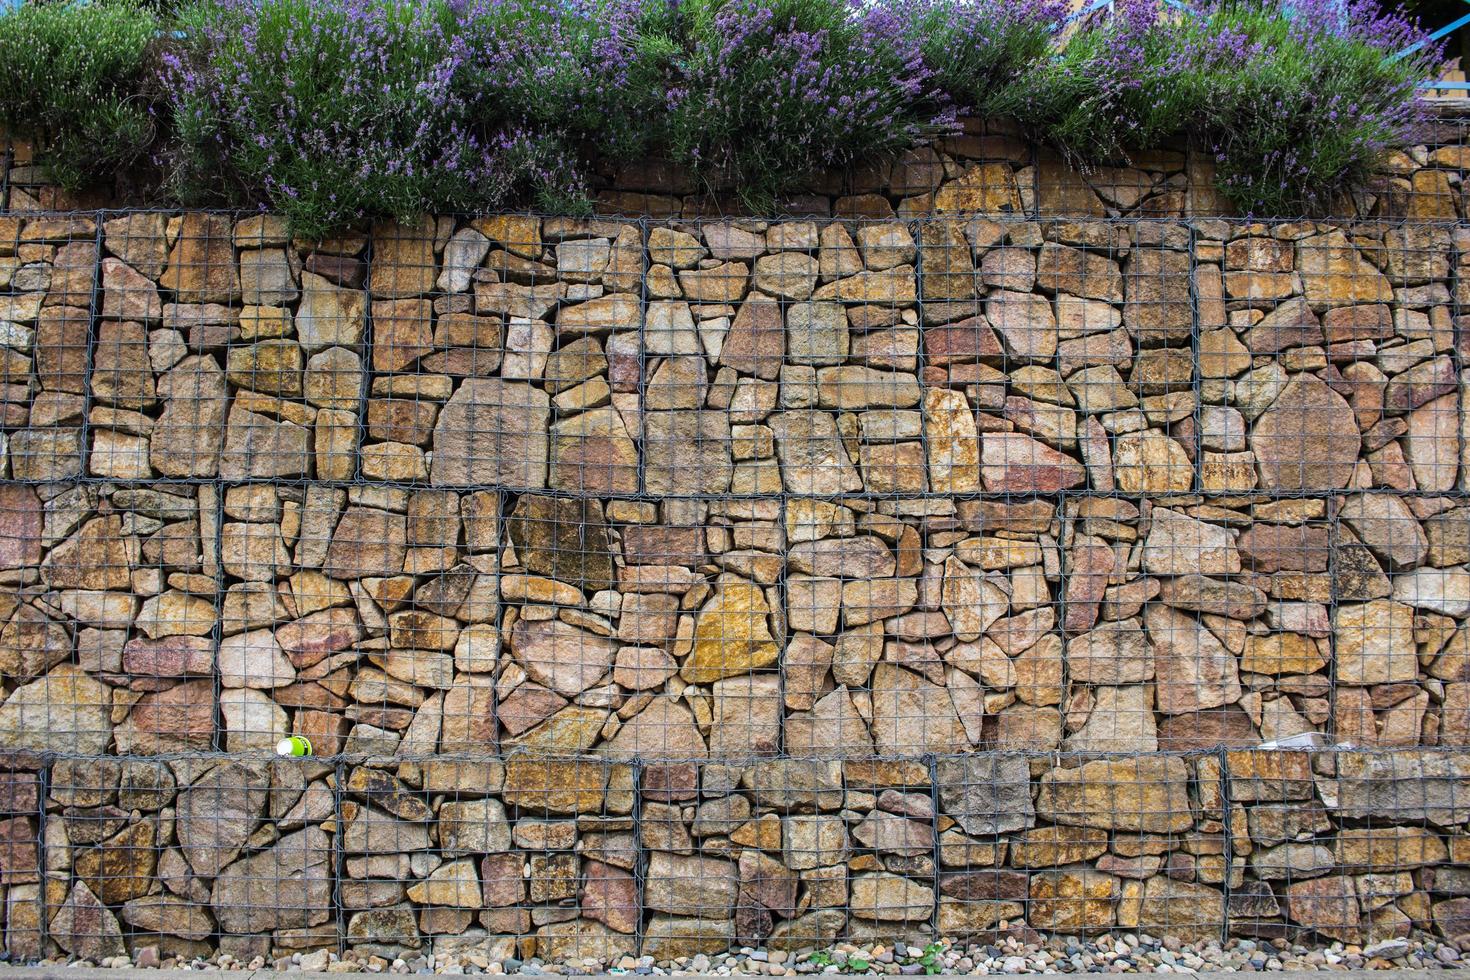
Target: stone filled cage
656,586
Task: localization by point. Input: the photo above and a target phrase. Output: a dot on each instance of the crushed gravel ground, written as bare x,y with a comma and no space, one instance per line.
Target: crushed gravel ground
1120,953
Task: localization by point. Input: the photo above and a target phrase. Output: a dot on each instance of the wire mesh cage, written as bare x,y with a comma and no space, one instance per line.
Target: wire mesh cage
588,859
978,166
650,587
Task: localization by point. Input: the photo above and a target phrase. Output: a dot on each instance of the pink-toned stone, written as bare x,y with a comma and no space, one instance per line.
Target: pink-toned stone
1011,462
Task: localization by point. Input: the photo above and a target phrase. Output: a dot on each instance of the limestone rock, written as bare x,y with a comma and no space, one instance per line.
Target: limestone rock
1386,525
1307,440
1180,545
453,884
178,719
366,542
217,814
687,452
670,936
813,457
63,711
987,794
1194,669
891,898
287,886
492,432
169,916
252,721
85,927
892,834
563,539
591,453
1147,794
1326,905
1404,786
1122,720
952,442
260,447
561,656
21,523
731,635
970,601
403,257
1151,462
254,659
189,435
1196,593
699,886
1011,462
1181,908
816,334
913,715
201,265
1072,901
1025,324
1334,273
1374,642
1441,590
663,730
555,786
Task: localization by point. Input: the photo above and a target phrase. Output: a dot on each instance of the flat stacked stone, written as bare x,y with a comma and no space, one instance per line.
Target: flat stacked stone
510,360
365,617
1197,621
1328,359
735,562
209,855
50,268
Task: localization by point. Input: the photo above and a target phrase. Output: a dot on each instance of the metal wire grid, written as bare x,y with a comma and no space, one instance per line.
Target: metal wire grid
845,582
574,859
985,166
460,389
868,521
1214,622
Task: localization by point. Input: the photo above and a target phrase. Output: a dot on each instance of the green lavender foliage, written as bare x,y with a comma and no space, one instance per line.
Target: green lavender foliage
767,93
331,111
74,76
1309,104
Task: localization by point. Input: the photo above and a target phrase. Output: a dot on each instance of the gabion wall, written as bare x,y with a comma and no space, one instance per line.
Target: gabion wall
661,586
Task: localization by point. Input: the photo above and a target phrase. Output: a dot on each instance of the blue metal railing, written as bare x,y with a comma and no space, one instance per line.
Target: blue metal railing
1440,34
1095,5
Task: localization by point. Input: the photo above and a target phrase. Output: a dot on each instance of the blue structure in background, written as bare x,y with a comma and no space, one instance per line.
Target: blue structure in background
1095,5
1443,32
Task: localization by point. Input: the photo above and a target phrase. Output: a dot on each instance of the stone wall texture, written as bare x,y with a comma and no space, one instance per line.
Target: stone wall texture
661,585
984,165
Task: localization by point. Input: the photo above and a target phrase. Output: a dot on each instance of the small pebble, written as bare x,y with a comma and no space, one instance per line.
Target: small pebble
1107,953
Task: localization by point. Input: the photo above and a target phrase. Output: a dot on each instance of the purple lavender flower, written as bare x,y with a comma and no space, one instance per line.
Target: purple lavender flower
767,93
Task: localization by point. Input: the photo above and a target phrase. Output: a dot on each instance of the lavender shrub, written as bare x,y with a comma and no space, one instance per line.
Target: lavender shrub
765,94
331,110
1122,79
979,49
1297,101
72,76
568,69
334,110
1305,100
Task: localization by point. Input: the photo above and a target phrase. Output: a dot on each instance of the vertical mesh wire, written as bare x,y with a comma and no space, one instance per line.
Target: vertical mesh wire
652,587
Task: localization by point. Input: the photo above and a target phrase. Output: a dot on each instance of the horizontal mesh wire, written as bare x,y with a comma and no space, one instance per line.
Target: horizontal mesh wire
631,359
570,859
735,509
803,488
984,166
